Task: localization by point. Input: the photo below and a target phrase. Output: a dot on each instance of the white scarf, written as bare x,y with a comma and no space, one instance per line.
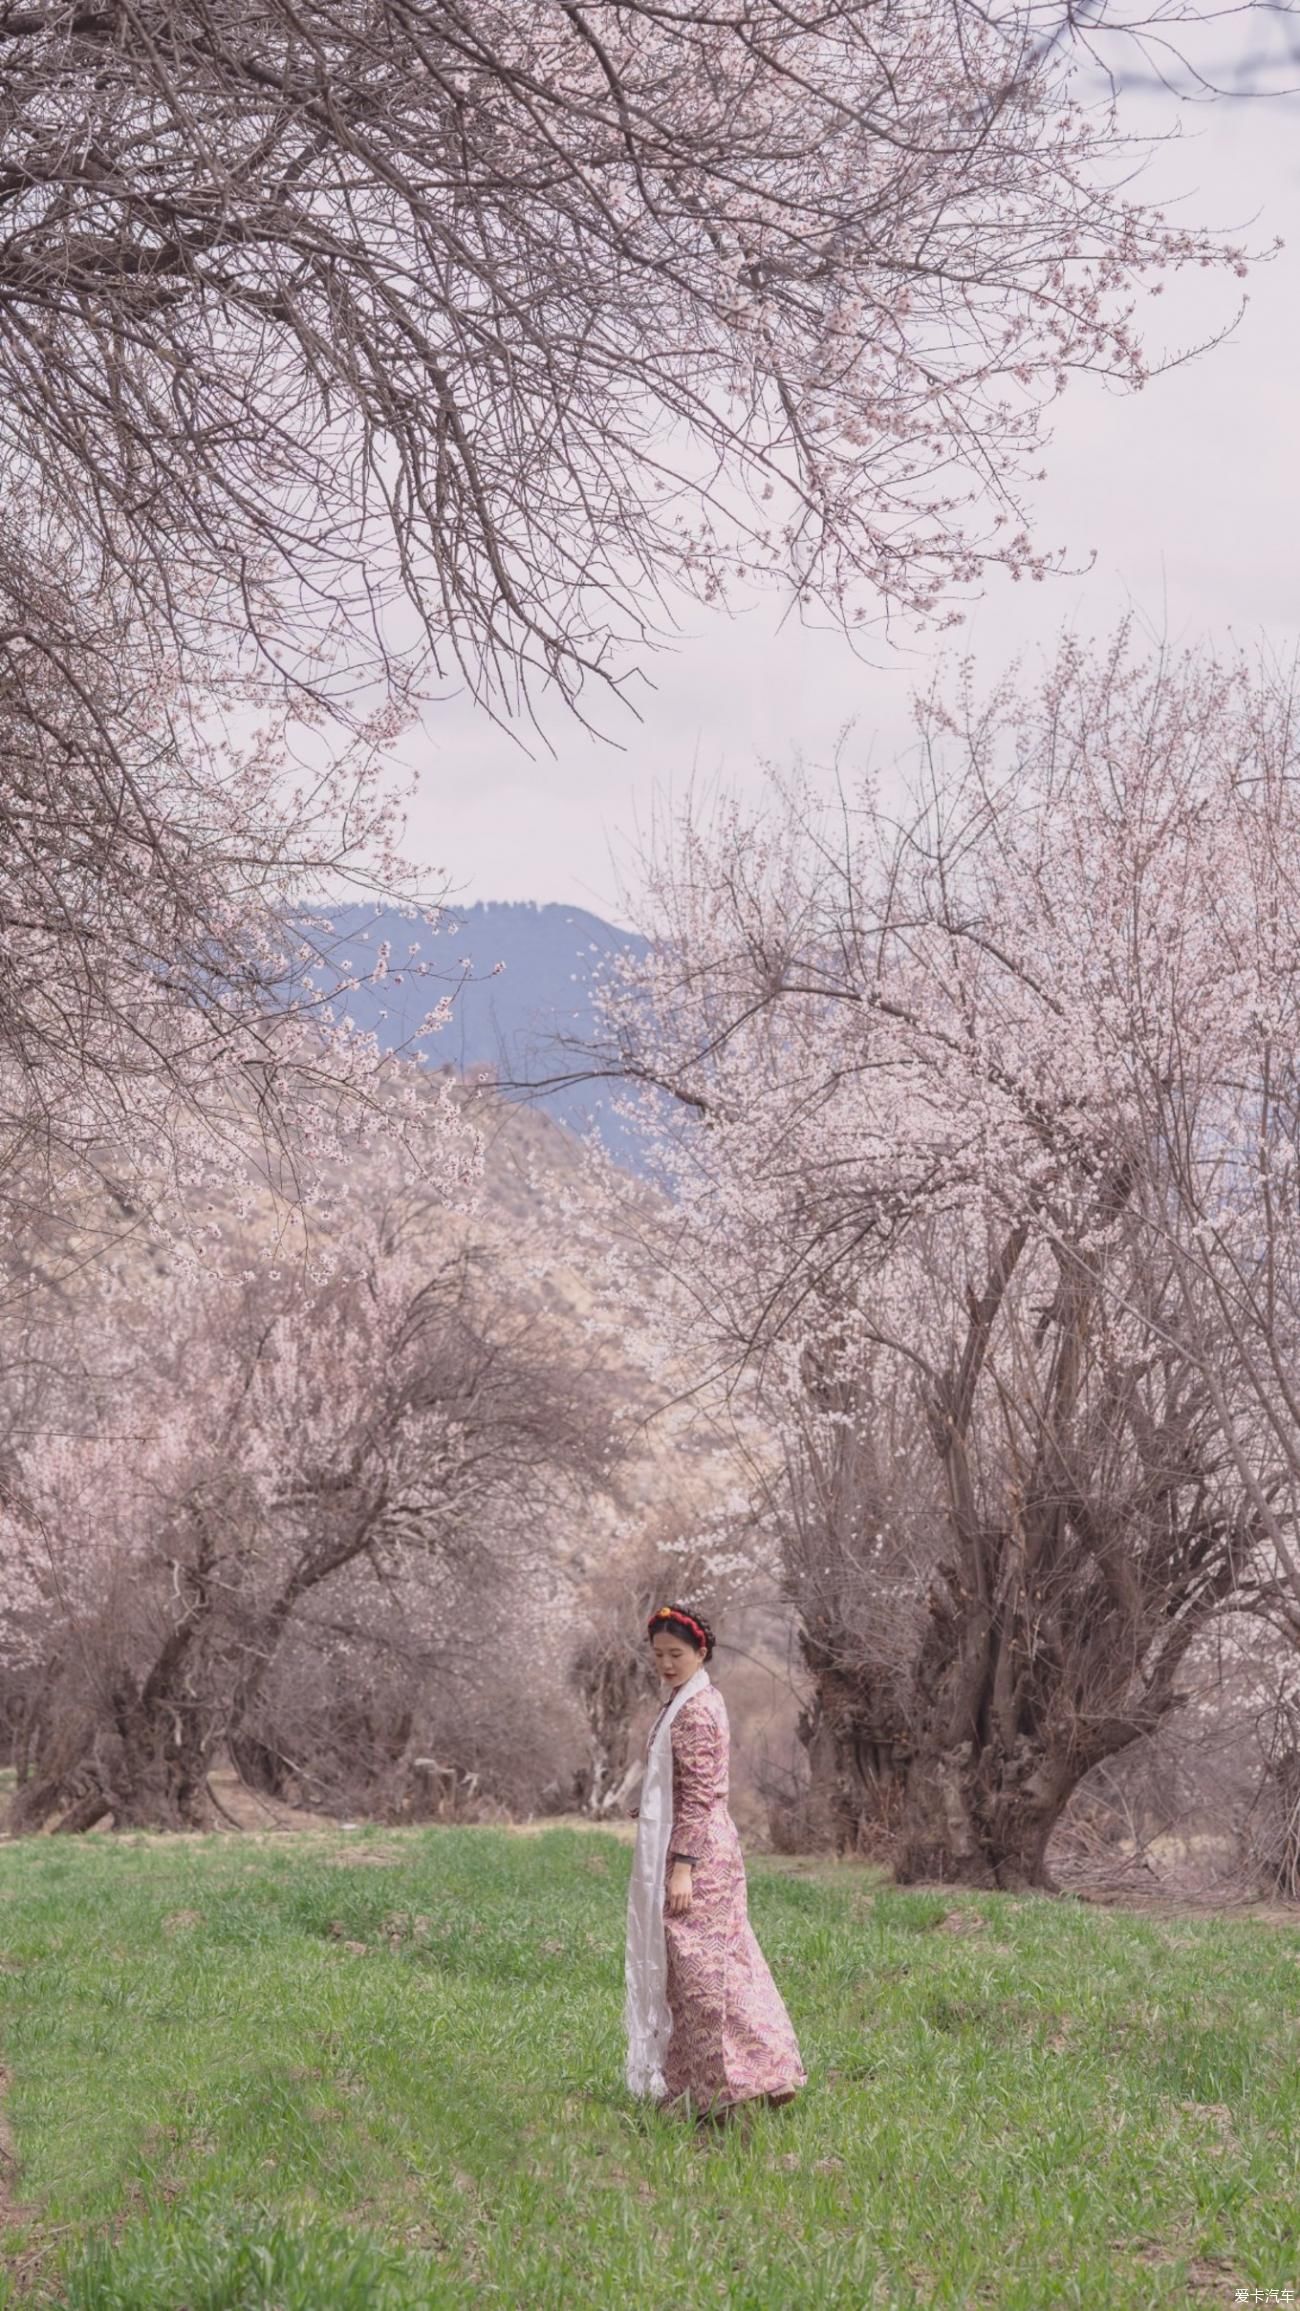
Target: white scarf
646,2018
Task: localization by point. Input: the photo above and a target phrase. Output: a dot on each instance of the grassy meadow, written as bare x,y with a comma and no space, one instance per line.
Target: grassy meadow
369,2071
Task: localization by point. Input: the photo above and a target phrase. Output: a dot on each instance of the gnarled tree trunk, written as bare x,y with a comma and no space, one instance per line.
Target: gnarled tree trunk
856,1753
610,1677
1056,1628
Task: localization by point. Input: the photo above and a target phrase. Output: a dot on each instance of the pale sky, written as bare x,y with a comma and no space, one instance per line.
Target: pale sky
1189,493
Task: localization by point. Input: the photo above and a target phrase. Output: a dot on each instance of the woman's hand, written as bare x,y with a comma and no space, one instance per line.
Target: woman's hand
679,1889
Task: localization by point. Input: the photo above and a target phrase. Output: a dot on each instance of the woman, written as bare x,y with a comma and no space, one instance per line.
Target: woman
706,2028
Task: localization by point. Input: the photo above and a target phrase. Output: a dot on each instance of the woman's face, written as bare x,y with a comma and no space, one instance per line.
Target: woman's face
675,1658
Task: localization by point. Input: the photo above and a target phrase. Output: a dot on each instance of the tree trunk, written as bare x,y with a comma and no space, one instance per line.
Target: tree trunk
973,1818
1273,1837
980,1811
144,1761
241,1730
995,1755
146,1754
856,1759
156,1777
608,1683
938,1838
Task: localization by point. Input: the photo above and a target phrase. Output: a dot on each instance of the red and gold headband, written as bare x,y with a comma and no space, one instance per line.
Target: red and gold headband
674,1613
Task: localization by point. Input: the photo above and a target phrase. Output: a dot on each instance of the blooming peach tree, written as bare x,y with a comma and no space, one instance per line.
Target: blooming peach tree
511,315
940,1069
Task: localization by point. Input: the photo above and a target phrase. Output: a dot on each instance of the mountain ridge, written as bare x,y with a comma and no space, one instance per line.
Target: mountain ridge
531,981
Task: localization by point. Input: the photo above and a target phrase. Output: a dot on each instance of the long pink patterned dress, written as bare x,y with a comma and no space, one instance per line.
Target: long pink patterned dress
731,2036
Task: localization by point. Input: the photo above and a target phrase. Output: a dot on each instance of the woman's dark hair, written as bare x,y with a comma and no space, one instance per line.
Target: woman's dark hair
682,1623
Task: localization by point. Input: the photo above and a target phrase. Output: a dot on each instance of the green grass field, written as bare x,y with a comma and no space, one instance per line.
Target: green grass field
375,2072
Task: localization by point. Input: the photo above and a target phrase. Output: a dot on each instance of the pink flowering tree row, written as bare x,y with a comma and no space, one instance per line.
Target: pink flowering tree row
273,1493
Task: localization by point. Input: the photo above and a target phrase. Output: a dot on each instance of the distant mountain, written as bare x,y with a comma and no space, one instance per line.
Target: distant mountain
529,985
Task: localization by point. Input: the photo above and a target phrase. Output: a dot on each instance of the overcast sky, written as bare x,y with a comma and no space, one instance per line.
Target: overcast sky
1189,493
